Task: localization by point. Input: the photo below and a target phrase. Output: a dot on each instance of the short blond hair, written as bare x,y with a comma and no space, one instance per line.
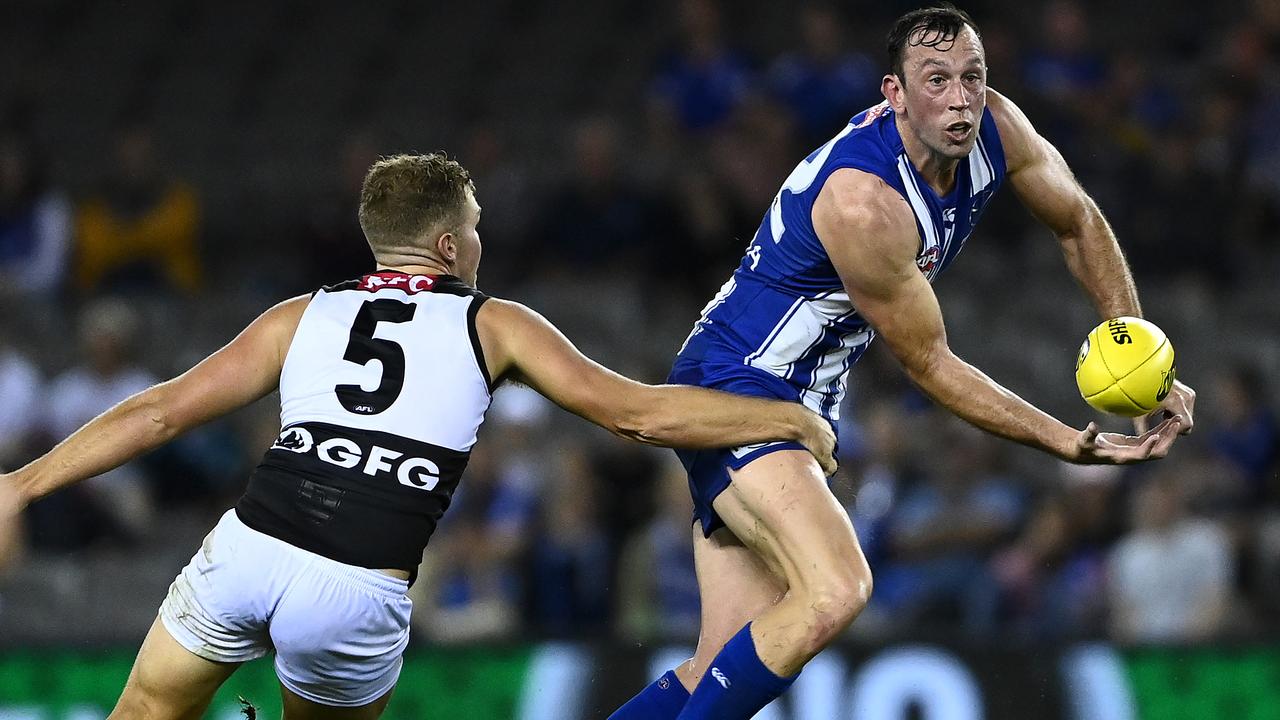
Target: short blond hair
406,196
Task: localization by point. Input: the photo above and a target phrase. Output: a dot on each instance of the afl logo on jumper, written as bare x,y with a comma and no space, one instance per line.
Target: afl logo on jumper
928,259
872,114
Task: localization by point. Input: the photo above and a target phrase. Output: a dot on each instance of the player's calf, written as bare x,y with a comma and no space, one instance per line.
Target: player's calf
762,660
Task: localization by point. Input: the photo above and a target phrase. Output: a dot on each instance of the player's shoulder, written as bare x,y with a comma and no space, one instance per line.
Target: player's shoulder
860,205
501,315
862,200
288,311
509,331
280,322
1002,107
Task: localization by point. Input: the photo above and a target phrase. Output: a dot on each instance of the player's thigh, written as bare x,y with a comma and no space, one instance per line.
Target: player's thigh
735,587
300,708
780,507
168,682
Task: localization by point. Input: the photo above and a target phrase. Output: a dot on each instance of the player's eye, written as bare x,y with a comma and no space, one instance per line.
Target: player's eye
936,80
972,77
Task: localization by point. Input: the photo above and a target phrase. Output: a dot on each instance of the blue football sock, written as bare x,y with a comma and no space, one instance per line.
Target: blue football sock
663,700
736,686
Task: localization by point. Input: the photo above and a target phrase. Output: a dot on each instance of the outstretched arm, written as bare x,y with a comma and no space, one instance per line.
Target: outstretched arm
245,370
1047,187
521,345
870,236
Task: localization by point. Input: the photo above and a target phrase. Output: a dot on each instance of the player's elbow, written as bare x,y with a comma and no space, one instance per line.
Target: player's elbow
641,434
927,365
1081,222
155,415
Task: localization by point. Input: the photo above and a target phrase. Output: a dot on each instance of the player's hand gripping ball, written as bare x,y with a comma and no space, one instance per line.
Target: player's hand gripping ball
1125,367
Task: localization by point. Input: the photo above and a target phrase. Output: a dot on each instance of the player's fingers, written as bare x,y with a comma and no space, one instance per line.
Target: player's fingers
1144,449
1188,408
829,453
1170,424
1166,433
1141,424
829,465
1182,401
1086,444
1116,449
1088,436
1125,449
1157,441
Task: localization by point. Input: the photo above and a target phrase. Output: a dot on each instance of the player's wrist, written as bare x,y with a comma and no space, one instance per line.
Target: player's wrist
802,423
1065,444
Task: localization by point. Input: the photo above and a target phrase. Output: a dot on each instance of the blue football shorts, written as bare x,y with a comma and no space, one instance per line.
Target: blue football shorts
708,470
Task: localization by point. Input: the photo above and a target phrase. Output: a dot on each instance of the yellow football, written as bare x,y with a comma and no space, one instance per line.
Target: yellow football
1125,367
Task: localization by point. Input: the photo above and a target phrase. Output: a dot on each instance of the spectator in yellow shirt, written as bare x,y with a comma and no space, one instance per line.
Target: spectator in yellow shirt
139,231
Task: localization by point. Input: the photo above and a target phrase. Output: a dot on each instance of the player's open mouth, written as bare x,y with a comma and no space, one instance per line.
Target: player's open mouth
958,131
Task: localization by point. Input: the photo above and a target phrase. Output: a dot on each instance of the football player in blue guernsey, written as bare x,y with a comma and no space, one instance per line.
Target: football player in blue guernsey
313,563
845,253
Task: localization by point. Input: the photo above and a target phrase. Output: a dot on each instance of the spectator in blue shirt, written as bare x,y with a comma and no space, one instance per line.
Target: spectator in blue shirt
703,80
823,83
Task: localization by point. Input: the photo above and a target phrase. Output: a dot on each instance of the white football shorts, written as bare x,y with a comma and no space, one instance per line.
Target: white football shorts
338,631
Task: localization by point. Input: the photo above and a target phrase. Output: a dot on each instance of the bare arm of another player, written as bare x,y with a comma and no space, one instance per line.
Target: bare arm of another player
241,372
1047,187
870,235
10,525
522,345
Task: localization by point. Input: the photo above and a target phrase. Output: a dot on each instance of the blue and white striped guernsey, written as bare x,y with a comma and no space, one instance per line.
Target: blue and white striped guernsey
783,325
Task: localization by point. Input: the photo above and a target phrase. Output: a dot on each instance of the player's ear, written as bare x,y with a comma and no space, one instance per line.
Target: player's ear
891,88
447,246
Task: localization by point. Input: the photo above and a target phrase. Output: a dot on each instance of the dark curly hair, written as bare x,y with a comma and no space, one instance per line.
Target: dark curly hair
934,27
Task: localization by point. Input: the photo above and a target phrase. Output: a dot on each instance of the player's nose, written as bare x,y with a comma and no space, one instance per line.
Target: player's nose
959,98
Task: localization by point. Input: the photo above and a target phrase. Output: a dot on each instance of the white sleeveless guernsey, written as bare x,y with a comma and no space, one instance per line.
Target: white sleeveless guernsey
381,394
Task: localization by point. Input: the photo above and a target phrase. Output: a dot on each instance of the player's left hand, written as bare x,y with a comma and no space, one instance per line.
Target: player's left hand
818,437
1181,401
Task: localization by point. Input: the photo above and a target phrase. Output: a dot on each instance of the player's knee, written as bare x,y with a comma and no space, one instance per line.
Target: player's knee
839,600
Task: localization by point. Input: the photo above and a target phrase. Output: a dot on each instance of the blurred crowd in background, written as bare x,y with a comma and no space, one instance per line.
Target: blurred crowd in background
156,193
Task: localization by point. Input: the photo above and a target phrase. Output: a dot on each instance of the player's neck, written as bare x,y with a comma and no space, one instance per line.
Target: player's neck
939,171
420,267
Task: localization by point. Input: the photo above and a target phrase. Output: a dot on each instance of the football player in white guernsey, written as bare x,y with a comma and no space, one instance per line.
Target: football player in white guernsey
780,570
314,561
